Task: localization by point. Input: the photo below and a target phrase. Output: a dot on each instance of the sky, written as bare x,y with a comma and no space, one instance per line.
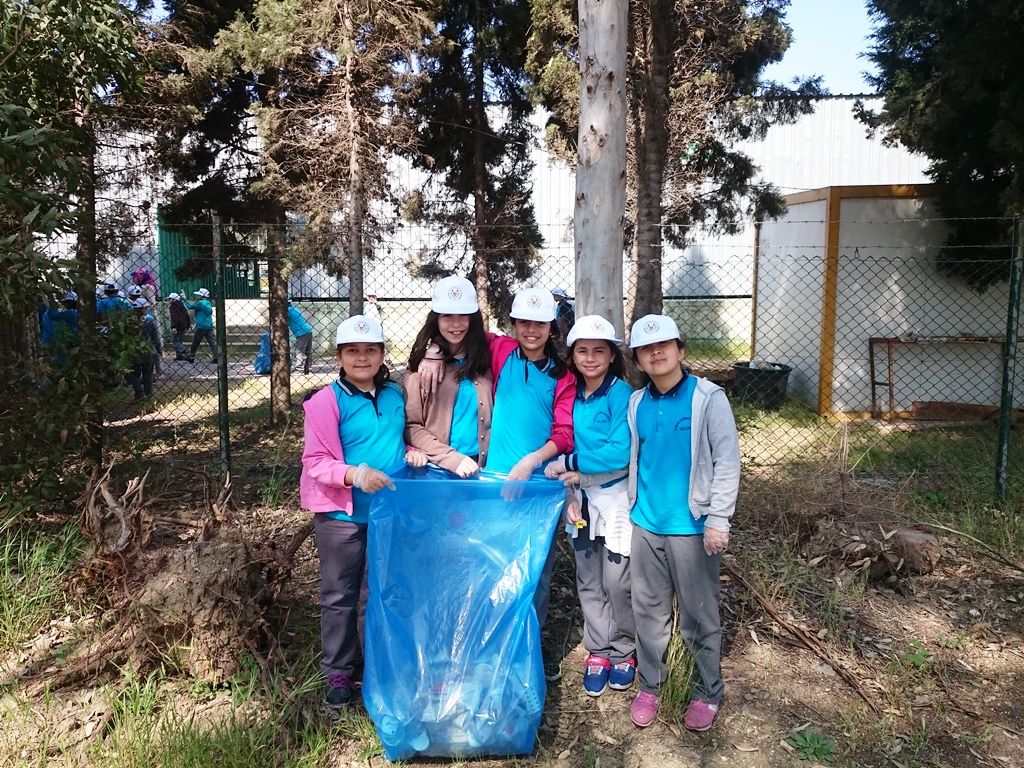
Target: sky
828,35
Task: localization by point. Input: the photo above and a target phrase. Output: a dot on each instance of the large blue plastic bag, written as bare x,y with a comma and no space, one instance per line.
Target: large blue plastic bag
453,664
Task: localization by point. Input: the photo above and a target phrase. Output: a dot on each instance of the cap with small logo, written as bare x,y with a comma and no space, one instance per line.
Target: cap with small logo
203,292
454,296
359,329
650,329
592,327
533,304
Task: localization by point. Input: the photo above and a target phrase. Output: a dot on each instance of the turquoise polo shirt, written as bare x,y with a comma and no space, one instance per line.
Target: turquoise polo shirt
600,428
524,411
465,433
663,424
370,426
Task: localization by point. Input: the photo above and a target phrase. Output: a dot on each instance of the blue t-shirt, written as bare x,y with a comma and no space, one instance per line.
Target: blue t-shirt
524,411
370,427
297,323
465,434
663,473
600,428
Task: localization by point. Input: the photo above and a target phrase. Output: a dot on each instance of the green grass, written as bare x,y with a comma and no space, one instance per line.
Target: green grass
34,570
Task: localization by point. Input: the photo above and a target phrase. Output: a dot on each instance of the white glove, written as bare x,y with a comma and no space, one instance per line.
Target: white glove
370,480
525,466
555,469
715,541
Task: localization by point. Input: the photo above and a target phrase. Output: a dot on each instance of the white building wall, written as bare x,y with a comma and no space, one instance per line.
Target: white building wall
790,284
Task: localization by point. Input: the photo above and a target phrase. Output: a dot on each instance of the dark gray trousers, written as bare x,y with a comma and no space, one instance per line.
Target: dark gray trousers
603,584
660,567
343,588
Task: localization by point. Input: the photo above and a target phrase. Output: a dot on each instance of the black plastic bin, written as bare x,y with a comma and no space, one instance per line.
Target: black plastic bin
764,386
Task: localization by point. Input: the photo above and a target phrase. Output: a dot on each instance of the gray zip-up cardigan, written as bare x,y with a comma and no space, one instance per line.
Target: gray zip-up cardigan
714,450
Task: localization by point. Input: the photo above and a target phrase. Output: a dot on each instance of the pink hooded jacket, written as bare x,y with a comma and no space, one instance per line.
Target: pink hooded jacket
322,485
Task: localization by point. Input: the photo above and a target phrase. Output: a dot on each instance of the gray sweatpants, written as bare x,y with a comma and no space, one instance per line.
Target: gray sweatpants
341,546
603,584
660,567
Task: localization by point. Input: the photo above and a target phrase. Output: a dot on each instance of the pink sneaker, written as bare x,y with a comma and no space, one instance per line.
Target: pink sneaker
644,709
699,715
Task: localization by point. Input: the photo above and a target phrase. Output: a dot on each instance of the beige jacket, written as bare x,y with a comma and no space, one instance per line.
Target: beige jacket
428,418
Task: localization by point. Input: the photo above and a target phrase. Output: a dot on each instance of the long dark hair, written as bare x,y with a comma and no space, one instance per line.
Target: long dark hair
381,377
641,374
618,364
478,351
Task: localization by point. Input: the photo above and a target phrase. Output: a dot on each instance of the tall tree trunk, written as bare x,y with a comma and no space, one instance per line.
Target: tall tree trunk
88,332
601,170
650,153
280,359
356,186
480,251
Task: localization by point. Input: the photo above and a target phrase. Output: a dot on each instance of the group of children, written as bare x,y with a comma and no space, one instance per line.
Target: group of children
652,476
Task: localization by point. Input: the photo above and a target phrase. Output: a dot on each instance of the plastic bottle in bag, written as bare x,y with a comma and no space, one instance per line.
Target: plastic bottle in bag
394,734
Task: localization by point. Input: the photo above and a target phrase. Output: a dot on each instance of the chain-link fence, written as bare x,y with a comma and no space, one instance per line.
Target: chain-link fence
847,311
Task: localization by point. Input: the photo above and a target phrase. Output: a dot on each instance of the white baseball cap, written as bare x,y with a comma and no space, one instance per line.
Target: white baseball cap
359,329
203,292
454,296
175,296
533,304
592,327
559,292
650,329
135,291
70,296
140,303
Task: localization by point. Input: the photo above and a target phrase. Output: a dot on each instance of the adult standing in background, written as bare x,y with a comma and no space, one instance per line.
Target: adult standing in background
565,311
371,308
204,324
143,278
181,321
303,333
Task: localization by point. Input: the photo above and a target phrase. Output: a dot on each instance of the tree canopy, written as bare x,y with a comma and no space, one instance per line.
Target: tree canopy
952,85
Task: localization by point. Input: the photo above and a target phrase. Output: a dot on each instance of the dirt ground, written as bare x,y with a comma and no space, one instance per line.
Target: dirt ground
924,670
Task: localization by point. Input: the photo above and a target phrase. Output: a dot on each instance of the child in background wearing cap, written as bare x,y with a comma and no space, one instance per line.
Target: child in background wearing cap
452,425
353,439
144,364
532,418
597,505
684,476
204,324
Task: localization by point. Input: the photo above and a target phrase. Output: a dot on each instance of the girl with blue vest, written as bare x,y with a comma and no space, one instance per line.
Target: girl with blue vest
353,440
684,476
452,425
597,506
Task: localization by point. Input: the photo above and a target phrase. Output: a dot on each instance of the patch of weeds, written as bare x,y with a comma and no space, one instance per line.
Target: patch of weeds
675,693
34,570
591,755
956,643
812,746
917,656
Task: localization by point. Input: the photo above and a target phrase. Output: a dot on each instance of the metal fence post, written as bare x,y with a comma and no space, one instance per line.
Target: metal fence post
222,346
1009,363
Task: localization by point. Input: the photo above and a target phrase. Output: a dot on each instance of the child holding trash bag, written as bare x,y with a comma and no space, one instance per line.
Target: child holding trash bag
452,426
353,439
684,476
532,418
597,505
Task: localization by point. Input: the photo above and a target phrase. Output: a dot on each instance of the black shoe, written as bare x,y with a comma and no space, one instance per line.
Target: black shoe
190,359
213,359
552,666
338,693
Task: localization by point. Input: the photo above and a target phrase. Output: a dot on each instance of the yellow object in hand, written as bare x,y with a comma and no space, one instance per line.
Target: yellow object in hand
581,523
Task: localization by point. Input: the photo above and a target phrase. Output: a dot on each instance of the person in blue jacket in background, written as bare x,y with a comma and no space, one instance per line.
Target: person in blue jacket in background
303,333
204,324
